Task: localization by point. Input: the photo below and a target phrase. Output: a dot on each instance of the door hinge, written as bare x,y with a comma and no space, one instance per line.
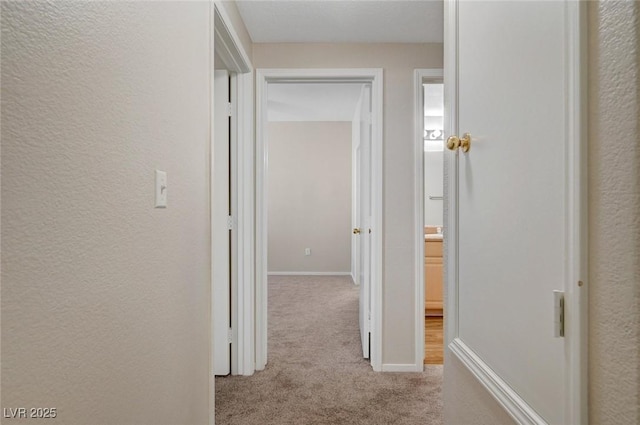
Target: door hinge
230,109
230,336
558,314
230,222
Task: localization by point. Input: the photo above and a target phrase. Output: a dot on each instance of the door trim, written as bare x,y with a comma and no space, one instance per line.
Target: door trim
223,261
419,77
242,297
519,410
226,43
576,297
263,78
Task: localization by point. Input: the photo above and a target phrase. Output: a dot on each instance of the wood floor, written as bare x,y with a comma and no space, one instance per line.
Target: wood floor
433,340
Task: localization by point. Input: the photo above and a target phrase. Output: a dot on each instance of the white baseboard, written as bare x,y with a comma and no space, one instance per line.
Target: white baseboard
309,273
389,367
499,389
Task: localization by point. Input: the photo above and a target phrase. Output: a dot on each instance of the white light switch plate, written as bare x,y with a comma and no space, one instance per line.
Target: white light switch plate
161,189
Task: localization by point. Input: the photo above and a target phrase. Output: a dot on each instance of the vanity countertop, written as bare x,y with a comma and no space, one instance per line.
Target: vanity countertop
433,237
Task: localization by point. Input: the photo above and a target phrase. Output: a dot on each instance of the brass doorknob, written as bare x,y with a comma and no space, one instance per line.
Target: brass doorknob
454,142
356,231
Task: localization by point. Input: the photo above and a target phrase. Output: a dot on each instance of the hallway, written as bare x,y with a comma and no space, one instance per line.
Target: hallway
316,374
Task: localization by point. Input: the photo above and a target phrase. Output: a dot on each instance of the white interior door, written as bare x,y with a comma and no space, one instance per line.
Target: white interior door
221,226
514,230
363,214
356,259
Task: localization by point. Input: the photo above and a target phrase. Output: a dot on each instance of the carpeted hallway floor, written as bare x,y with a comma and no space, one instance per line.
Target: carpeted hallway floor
316,373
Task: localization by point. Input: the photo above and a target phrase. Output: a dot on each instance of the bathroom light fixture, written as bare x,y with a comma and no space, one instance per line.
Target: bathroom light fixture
435,134
433,140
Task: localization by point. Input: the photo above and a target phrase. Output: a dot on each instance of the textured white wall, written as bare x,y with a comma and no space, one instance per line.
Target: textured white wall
614,207
399,62
105,300
309,203
614,233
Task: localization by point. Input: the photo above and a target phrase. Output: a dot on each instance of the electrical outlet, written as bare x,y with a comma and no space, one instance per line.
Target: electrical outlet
307,251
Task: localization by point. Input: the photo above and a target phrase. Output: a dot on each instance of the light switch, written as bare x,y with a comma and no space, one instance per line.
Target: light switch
161,189
558,313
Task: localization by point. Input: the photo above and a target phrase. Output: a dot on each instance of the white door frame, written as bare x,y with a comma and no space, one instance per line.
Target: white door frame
576,285
242,297
420,77
226,43
224,263
264,77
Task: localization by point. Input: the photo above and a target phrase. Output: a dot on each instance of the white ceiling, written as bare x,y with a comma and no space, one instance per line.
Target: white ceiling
312,102
343,21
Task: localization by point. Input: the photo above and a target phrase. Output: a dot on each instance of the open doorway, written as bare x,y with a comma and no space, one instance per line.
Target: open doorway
309,211
430,188
298,173
433,94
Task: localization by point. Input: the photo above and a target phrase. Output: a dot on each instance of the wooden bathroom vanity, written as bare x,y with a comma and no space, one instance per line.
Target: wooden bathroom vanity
432,272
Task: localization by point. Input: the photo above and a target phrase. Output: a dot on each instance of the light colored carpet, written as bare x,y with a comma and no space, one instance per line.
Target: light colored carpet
316,373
